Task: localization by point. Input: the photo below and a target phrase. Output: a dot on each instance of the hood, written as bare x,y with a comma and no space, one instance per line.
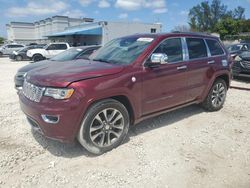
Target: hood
245,56
31,66
34,51
61,74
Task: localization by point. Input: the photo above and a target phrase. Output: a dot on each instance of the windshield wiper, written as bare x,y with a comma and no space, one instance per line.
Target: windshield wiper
101,60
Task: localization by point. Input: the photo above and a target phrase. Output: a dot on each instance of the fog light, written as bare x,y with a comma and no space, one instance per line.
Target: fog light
50,119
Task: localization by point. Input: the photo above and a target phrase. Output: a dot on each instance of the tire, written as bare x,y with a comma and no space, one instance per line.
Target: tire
102,138
37,57
216,96
1,54
19,58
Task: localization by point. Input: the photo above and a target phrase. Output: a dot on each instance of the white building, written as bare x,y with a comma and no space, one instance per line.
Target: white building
75,31
102,32
25,32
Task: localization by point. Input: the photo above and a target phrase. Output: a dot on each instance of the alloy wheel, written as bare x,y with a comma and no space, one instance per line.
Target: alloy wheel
218,95
106,127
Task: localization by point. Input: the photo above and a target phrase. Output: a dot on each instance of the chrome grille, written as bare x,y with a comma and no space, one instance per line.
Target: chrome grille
246,64
32,92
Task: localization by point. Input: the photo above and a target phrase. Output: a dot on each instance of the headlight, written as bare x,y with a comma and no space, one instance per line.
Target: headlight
58,93
237,58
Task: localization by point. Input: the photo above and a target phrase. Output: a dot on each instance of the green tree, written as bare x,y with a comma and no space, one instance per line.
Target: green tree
228,26
205,16
239,13
1,40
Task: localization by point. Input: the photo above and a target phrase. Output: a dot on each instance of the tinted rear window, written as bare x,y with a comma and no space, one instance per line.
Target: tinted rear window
61,46
196,48
214,47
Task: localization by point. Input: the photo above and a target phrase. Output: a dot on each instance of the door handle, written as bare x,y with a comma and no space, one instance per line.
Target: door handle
182,67
211,62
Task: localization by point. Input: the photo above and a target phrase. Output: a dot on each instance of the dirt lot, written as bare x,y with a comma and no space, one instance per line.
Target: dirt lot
185,148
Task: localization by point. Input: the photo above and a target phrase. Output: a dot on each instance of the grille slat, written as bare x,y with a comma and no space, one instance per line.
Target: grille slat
246,64
32,92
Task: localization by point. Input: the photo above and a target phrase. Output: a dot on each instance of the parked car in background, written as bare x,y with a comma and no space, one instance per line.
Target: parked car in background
124,82
21,54
9,48
236,49
241,66
48,51
81,52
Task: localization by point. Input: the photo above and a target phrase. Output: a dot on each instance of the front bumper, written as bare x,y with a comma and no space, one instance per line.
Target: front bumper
70,113
12,56
239,70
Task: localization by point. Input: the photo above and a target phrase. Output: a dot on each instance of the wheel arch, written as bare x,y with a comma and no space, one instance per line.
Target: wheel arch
37,54
224,77
123,99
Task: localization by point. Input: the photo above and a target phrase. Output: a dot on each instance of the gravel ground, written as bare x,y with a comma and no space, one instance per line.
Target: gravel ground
184,148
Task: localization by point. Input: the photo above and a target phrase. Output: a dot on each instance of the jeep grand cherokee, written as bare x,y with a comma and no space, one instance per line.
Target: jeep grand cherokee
124,82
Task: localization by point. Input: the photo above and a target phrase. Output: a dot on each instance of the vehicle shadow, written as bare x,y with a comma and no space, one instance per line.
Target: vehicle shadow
73,150
242,79
166,119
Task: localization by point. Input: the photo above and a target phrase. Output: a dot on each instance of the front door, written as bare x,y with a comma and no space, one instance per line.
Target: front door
165,86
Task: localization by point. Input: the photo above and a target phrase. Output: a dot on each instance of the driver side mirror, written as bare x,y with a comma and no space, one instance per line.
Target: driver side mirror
157,59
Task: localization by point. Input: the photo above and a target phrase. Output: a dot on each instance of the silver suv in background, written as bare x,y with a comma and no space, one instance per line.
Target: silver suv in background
9,48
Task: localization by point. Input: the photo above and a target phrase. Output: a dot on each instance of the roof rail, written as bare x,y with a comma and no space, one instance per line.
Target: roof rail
190,32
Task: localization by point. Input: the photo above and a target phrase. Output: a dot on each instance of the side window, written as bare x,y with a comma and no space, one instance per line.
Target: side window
11,46
244,48
61,46
172,48
86,54
51,47
196,48
214,47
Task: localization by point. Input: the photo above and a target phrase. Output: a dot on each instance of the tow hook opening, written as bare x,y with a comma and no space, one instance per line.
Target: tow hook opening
52,119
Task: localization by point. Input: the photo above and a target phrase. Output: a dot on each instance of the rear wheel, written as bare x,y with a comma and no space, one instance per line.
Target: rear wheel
37,57
216,97
1,54
19,58
104,126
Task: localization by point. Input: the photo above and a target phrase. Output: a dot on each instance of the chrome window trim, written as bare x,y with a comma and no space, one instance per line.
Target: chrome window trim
185,49
208,50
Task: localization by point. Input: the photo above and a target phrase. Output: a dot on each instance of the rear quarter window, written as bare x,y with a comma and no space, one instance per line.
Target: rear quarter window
61,46
214,47
196,48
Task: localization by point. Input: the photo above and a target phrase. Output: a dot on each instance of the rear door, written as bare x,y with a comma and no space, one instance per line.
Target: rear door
199,69
165,86
59,48
218,58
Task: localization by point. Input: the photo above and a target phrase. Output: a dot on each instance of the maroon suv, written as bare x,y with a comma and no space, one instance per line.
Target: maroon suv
124,82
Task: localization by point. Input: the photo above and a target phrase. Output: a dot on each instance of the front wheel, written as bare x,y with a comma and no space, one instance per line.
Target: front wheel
104,127
37,57
19,58
216,96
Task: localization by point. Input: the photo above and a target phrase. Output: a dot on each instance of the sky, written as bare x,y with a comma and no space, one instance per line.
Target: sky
170,13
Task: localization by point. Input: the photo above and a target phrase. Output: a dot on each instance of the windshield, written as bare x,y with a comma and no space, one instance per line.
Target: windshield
67,55
234,48
122,51
24,49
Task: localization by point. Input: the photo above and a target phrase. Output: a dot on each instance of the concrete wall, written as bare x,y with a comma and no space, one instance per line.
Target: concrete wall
113,30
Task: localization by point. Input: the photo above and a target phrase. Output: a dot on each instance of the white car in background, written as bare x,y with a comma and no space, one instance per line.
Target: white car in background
9,48
48,51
